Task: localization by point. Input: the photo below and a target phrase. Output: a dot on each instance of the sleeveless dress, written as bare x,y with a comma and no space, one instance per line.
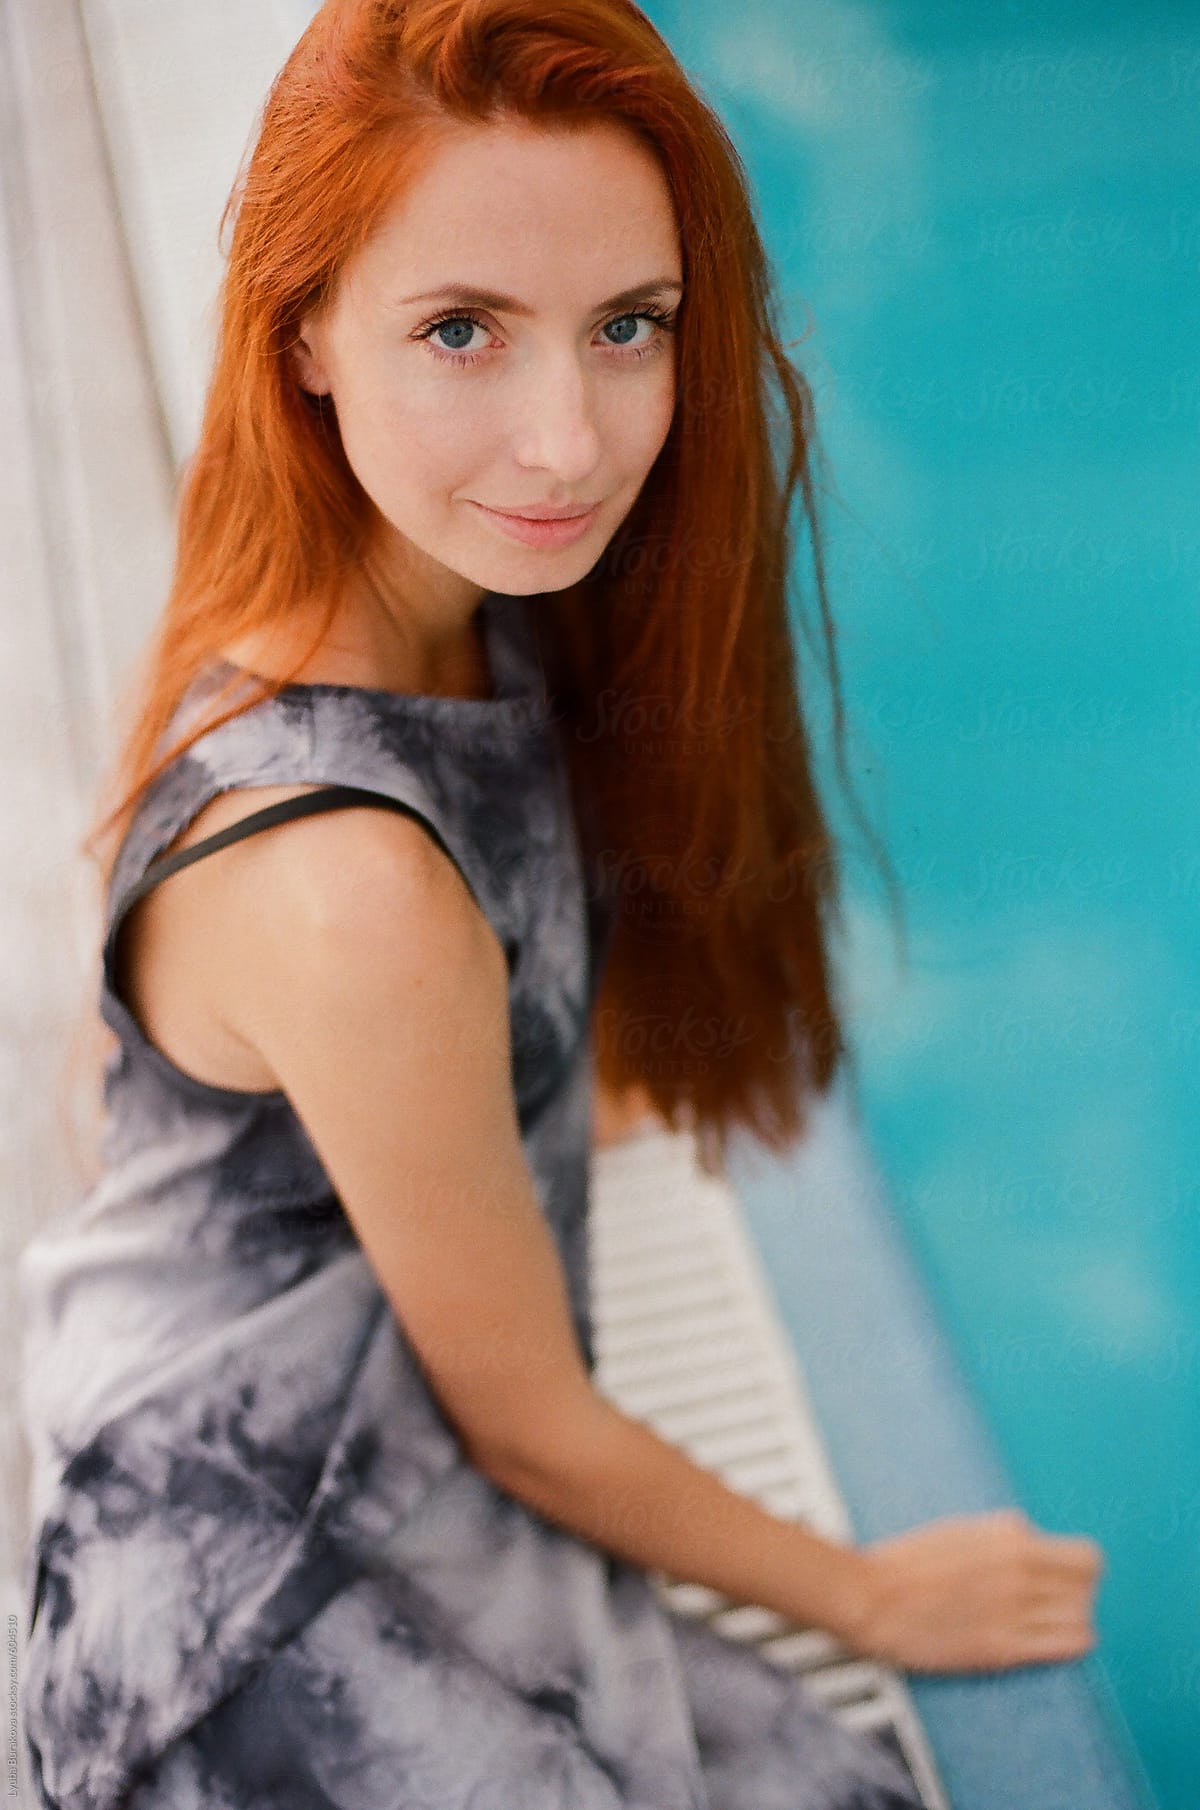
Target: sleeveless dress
263,1575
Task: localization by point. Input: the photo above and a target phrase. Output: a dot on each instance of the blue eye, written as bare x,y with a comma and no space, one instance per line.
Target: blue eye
662,319
626,318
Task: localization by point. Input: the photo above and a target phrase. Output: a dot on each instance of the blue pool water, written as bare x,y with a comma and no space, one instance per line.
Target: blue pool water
986,220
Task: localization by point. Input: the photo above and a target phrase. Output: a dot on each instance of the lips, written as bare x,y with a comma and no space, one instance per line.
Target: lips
569,512
561,529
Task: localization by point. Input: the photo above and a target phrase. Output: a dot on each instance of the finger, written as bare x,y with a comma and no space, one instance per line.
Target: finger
1055,1605
1046,1624
1061,1643
1071,1556
1053,1585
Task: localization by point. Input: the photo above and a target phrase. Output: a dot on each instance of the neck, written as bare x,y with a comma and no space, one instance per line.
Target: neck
429,636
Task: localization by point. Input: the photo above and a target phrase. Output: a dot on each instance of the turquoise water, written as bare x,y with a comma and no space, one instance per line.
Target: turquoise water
986,220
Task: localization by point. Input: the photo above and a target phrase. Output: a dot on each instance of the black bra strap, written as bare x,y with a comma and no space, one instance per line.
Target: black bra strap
328,798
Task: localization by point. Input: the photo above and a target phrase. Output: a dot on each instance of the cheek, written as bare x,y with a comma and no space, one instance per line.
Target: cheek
403,442
644,430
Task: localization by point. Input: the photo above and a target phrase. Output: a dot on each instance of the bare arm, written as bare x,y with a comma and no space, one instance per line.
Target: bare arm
395,1052
613,1480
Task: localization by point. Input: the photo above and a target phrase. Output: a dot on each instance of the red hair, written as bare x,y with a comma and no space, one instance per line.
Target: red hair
717,994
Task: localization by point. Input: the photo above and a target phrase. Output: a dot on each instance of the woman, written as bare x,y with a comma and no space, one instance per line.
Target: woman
328,1510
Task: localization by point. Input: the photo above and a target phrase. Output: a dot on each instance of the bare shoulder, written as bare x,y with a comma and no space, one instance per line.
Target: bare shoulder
354,897
322,863
339,895
331,863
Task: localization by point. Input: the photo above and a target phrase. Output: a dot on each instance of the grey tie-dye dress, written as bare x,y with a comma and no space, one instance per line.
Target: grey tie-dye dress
263,1575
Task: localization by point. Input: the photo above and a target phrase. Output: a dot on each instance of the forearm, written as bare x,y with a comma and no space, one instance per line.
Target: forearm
622,1487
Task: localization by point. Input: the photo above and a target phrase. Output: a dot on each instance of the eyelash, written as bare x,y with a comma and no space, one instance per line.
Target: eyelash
664,318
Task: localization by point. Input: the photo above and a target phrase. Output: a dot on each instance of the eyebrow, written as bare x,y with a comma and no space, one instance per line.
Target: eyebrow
463,295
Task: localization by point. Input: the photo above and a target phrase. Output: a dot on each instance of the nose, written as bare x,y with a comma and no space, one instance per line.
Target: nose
559,432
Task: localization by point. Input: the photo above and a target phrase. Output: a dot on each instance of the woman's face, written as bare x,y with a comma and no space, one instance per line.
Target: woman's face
561,395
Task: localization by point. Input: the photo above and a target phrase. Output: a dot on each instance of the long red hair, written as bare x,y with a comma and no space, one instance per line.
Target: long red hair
672,664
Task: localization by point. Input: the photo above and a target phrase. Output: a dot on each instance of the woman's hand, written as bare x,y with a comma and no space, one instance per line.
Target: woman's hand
977,1593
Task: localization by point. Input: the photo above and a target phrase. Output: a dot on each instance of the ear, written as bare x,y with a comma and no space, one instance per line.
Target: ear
305,361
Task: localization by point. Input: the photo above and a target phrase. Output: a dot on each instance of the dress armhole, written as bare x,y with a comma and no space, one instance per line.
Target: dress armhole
116,1012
